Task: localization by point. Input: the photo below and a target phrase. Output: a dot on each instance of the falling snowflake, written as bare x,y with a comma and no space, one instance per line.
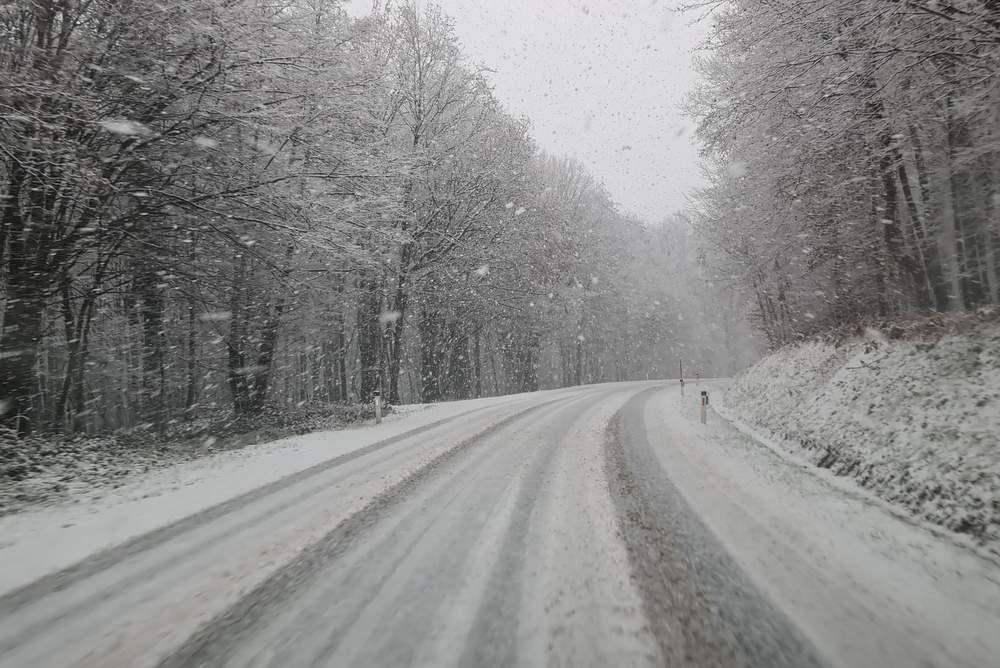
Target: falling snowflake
737,169
205,142
123,126
265,147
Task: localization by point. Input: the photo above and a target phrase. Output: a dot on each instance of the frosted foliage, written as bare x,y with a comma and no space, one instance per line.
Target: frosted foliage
852,155
217,213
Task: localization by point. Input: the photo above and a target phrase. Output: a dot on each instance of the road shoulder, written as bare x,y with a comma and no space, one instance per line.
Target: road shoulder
865,586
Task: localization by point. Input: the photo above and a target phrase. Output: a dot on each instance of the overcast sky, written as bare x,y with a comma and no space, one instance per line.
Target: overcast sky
602,80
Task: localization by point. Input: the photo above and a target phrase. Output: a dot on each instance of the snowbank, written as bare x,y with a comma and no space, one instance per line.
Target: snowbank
46,469
916,422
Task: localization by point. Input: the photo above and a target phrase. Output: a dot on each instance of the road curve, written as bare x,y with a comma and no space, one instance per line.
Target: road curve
542,531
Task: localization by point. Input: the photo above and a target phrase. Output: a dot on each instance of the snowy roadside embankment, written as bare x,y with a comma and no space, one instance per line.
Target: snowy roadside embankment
45,469
916,420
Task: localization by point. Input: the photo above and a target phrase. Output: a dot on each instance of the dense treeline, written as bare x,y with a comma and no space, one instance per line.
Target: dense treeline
213,206
855,158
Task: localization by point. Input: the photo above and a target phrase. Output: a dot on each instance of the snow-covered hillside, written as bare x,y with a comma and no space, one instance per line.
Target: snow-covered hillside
914,418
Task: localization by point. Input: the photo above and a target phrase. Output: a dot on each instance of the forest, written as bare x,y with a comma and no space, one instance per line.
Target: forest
227,207
853,157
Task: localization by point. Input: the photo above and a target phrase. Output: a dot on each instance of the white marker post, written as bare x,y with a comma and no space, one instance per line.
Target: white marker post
377,398
704,406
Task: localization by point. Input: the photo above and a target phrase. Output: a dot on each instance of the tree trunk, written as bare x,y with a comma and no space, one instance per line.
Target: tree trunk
396,349
59,417
528,358
477,357
238,374
369,338
22,317
493,370
430,383
566,377
151,304
460,376
578,365
22,325
991,240
892,234
956,183
77,332
926,250
191,392
265,355
327,355
896,252
341,362
335,355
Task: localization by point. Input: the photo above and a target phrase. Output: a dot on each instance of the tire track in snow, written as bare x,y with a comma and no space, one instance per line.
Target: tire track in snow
411,575
210,645
701,606
16,599
493,636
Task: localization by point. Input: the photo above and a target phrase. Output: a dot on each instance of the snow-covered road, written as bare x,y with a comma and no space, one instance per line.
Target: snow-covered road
601,525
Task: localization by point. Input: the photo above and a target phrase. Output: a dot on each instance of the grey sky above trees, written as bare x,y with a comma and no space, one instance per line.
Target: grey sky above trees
600,80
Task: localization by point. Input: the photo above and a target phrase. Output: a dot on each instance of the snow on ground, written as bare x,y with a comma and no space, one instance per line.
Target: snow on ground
867,588
44,469
37,542
916,422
